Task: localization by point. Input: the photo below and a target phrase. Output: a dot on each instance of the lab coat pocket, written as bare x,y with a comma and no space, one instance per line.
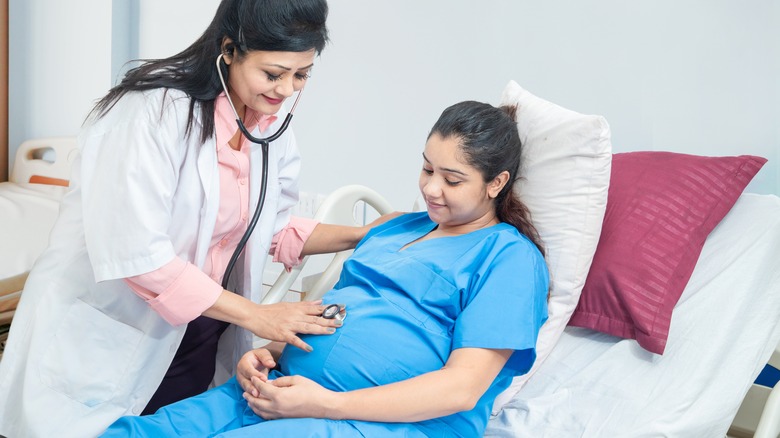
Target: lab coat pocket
90,377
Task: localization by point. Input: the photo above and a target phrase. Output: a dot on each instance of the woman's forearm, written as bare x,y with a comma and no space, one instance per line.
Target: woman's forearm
456,387
424,397
327,238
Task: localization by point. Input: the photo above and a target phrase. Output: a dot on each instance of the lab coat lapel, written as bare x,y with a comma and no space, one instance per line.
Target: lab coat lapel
208,171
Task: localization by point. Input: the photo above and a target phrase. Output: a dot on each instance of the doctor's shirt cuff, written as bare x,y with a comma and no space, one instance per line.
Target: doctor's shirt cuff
178,291
287,244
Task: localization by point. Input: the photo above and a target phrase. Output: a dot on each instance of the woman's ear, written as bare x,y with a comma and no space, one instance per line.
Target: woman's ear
497,184
227,49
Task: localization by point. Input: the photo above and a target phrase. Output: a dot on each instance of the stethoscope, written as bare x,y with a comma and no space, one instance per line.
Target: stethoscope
263,142
335,311
332,311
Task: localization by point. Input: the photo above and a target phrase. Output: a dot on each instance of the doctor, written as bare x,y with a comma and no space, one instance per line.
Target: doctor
125,311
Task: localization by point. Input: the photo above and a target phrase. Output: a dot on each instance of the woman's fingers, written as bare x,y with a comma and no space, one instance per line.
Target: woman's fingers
264,358
283,381
261,399
254,365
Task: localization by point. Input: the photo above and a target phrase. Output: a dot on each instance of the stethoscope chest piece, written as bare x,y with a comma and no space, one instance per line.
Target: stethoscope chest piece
335,311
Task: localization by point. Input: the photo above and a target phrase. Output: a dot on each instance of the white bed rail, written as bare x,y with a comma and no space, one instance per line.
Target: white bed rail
44,160
338,208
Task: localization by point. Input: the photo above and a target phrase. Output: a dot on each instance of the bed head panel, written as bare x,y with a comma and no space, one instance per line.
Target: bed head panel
45,161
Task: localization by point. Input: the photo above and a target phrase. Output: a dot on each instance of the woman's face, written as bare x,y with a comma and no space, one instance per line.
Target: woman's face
457,197
263,80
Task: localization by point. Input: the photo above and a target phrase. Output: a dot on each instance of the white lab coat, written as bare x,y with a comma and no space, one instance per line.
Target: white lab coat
83,348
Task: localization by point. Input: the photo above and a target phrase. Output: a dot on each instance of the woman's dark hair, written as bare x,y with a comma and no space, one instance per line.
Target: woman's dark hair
269,25
489,141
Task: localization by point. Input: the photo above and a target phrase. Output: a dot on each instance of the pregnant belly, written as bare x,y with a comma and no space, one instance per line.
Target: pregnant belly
378,344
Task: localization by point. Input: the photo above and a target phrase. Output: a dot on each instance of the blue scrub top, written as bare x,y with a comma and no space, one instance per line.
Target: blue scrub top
408,309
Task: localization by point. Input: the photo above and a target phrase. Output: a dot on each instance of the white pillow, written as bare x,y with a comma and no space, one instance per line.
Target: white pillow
565,170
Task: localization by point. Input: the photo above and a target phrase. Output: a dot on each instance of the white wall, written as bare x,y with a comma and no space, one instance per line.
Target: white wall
700,77
161,35
59,63
696,77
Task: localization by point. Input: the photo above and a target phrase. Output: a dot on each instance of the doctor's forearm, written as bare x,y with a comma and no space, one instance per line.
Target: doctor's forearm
231,308
178,291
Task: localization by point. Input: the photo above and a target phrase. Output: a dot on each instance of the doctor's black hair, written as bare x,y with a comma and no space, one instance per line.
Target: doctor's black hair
268,25
489,141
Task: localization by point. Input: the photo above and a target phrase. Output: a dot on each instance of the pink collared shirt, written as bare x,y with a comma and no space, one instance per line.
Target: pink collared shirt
179,291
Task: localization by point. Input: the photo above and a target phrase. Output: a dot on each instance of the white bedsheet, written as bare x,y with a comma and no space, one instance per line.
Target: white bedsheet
723,331
27,213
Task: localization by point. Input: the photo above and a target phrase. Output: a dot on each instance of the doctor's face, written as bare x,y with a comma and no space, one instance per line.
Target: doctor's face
455,193
263,80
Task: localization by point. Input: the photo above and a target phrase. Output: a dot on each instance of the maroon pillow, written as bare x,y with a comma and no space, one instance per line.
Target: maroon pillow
661,207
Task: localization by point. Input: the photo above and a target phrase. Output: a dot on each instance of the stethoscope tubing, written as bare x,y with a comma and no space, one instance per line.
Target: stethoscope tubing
263,142
255,217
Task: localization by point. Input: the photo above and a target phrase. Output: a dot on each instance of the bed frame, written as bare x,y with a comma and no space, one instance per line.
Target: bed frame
44,161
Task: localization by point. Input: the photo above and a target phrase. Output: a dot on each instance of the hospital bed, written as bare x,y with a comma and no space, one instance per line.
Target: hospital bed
29,204
596,385
587,383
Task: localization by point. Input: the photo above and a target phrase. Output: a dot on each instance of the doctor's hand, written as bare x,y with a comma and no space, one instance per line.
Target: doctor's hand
284,321
276,322
289,397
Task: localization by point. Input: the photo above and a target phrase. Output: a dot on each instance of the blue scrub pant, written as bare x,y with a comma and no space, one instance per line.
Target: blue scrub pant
223,412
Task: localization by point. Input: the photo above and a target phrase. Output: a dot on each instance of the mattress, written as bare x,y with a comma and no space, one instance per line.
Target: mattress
28,214
724,329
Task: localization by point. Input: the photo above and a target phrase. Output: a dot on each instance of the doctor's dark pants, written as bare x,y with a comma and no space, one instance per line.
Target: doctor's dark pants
193,365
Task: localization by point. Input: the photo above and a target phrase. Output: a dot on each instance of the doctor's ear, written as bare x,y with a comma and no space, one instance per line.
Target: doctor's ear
228,50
